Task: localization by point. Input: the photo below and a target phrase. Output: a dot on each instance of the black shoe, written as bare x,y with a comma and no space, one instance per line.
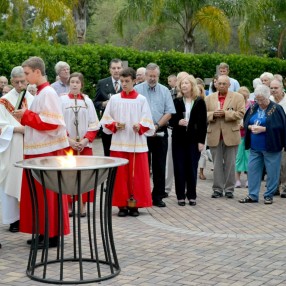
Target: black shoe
41,238
52,242
216,195
159,204
268,201
283,194
166,195
134,212
277,193
181,203
247,200
14,227
229,195
192,203
122,212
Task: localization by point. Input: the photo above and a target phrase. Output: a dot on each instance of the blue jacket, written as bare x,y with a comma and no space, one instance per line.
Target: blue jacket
275,127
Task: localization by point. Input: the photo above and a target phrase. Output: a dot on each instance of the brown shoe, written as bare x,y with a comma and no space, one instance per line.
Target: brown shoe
202,176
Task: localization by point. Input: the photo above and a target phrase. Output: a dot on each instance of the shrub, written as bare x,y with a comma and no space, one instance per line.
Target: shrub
93,62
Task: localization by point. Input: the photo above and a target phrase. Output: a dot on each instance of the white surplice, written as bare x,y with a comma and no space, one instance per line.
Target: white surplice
11,151
48,106
129,111
87,117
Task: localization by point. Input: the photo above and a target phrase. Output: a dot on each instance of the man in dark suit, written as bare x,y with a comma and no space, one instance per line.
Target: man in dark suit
105,88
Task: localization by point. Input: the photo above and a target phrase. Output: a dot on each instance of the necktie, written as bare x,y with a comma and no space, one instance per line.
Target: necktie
116,86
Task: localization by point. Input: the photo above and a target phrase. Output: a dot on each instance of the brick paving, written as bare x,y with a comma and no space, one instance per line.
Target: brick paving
217,242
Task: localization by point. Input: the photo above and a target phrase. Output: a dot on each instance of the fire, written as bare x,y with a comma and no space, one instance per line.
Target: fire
68,160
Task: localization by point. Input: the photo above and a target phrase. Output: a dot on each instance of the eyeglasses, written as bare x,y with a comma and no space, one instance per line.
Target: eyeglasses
260,99
19,81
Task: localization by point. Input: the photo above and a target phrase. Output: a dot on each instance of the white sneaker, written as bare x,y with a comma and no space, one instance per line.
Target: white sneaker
237,184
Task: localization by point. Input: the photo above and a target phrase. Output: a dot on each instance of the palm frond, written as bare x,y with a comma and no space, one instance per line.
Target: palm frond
215,23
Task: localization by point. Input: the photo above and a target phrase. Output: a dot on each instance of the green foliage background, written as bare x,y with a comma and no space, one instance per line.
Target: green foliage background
93,62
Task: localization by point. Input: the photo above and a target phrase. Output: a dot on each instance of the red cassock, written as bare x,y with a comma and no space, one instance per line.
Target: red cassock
85,152
126,184
26,218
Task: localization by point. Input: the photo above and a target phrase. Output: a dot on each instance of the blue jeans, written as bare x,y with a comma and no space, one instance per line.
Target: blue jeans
272,162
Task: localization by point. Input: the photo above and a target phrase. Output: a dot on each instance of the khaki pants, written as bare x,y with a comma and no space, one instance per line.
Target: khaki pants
224,167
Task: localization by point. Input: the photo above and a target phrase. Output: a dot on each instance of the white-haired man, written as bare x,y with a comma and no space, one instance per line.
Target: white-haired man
11,149
140,75
63,72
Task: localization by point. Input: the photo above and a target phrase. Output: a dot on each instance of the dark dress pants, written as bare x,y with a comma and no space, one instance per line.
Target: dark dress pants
106,142
157,155
185,159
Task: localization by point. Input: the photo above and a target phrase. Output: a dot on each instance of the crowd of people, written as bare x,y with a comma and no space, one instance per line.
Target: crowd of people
167,134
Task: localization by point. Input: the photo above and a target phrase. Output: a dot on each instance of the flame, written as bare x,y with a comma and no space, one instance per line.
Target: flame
68,160
69,153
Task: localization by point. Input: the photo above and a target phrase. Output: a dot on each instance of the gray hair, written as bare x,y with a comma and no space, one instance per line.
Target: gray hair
262,90
142,69
278,81
152,66
256,82
269,75
60,65
17,72
223,66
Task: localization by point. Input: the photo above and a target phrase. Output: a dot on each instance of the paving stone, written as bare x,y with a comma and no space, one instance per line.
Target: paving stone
218,242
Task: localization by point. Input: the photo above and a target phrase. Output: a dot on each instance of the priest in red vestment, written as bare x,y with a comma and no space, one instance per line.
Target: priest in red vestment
45,135
128,118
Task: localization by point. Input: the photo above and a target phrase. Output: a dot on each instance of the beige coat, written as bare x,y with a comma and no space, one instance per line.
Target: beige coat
229,126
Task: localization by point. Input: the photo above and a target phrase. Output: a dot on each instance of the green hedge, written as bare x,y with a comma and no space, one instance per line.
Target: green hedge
93,61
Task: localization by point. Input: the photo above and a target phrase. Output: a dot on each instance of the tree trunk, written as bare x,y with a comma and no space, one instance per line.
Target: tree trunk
189,43
280,44
80,18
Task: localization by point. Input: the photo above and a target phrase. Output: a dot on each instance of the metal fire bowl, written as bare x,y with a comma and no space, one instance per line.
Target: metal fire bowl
84,167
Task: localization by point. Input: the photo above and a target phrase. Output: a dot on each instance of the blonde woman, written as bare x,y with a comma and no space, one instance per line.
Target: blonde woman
189,133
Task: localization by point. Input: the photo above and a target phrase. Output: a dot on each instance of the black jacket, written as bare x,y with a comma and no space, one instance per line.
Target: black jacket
197,127
104,89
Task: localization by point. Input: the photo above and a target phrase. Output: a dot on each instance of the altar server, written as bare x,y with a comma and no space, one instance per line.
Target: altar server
82,123
128,118
45,135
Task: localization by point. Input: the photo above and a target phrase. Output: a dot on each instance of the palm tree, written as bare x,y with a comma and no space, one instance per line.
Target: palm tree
254,16
49,15
188,15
